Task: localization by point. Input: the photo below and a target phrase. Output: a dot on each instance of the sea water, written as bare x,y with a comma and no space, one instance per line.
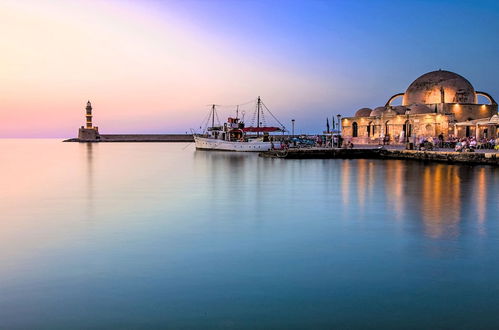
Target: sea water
159,235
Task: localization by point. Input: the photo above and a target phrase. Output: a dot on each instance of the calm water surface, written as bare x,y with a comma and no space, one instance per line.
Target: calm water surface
158,235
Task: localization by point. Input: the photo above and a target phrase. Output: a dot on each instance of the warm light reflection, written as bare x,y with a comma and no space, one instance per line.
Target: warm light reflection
481,199
371,180
441,204
396,182
361,182
431,194
345,182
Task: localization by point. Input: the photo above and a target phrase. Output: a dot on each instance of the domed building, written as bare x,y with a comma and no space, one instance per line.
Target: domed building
438,102
439,87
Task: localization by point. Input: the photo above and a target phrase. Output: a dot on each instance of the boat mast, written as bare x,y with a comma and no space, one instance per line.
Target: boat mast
258,116
212,115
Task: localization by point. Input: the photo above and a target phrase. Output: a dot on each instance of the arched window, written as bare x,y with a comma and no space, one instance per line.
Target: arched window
407,129
370,129
387,128
355,129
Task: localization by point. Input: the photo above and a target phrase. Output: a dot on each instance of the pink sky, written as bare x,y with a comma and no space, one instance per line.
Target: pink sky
142,71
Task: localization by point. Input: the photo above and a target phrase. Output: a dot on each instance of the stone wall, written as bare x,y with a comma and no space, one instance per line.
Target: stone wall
371,129
88,134
91,135
467,158
146,138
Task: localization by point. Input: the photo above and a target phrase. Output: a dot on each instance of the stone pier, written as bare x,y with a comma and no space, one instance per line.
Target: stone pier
136,138
451,157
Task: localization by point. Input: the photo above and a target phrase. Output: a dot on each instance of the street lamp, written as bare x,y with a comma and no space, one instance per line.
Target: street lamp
339,130
292,128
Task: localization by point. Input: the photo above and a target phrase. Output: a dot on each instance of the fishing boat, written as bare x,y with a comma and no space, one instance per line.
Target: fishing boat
235,136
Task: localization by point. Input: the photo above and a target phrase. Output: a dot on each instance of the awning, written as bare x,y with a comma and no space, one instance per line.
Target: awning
261,129
494,120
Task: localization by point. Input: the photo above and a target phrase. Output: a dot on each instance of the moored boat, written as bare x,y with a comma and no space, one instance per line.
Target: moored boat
235,136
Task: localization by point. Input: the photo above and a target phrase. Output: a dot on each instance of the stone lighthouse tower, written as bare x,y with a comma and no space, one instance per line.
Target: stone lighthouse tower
88,133
89,115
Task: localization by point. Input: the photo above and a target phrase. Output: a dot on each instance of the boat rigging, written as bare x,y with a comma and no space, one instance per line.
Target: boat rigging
234,135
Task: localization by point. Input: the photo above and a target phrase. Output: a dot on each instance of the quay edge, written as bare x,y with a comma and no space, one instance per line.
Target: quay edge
469,158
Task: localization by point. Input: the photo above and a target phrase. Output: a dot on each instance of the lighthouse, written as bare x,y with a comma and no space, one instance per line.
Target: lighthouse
89,115
88,133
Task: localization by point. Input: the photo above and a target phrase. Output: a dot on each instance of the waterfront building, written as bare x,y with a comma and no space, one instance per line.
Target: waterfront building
89,132
438,102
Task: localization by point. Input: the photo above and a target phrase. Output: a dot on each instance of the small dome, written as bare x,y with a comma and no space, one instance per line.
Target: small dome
439,87
364,112
419,109
378,111
390,112
400,109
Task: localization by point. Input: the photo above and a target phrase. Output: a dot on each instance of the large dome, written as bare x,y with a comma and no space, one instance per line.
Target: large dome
437,86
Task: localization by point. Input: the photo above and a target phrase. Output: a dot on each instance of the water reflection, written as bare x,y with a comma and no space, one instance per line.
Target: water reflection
440,201
395,188
436,195
227,170
481,199
89,155
193,230
346,181
361,182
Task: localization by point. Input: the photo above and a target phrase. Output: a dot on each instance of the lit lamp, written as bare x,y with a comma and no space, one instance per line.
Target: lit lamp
339,129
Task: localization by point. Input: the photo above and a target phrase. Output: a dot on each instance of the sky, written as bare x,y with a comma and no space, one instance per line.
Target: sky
154,66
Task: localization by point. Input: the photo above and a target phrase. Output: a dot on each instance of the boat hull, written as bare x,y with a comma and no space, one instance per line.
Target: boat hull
222,145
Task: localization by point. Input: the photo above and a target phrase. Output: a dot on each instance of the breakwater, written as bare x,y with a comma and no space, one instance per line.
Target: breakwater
474,158
138,138
149,138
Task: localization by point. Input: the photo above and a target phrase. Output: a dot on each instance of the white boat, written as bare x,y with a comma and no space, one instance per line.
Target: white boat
207,143
235,136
